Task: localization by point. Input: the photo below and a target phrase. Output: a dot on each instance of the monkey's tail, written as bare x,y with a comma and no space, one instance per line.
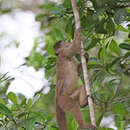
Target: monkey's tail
61,119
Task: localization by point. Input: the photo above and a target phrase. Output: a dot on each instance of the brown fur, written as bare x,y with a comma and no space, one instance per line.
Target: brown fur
67,95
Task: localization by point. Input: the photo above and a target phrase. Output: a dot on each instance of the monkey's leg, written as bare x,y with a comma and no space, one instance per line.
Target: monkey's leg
79,118
60,116
61,119
75,94
68,104
83,100
80,94
63,104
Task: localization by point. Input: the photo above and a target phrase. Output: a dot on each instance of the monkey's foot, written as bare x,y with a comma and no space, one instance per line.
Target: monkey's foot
84,127
84,104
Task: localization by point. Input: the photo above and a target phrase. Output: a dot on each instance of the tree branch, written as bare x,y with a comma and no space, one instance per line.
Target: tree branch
84,66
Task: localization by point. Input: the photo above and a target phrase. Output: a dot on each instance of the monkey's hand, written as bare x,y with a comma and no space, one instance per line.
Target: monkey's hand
92,127
79,30
86,57
90,97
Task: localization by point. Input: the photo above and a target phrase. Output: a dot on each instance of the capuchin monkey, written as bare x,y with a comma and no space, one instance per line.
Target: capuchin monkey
67,94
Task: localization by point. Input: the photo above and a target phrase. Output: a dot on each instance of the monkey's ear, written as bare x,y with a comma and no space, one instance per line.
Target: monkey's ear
57,45
86,57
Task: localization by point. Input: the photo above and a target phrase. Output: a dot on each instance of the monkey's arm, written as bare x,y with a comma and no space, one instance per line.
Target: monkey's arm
75,46
80,65
59,85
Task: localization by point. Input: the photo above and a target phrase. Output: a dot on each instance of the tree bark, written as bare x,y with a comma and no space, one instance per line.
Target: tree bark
84,66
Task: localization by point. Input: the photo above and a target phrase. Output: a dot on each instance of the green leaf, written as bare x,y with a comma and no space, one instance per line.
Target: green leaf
125,46
40,17
80,82
121,28
128,10
119,108
74,125
100,27
113,47
105,95
4,110
29,103
67,3
15,107
120,15
30,124
2,101
94,63
89,21
127,55
36,98
22,114
113,62
49,44
22,99
12,97
100,117
92,43
49,7
59,35
102,55
69,26
110,26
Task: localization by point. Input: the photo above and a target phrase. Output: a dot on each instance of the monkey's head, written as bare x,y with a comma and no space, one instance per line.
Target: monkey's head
59,46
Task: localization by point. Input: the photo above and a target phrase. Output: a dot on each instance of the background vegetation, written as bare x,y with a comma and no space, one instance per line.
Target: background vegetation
106,33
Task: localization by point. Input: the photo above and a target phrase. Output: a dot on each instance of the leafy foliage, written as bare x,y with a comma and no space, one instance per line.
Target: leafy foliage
109,63
22,114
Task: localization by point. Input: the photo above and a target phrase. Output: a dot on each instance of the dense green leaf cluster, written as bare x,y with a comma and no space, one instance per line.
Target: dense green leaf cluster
22,114
18,112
